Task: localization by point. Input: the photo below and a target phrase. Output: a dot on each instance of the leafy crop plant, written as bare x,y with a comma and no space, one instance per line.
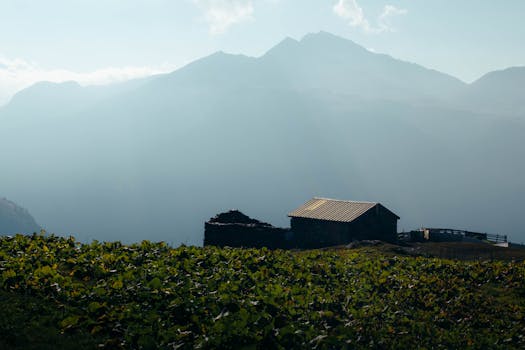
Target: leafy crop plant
151,296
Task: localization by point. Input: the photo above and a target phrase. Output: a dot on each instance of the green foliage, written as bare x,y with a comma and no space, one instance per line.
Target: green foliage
31,323
148,295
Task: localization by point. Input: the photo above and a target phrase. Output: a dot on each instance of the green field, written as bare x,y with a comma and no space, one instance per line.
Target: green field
56,293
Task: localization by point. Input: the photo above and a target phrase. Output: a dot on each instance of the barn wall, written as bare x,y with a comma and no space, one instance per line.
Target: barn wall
312,233
377,223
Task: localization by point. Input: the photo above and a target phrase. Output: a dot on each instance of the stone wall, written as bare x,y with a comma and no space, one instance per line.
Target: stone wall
234,229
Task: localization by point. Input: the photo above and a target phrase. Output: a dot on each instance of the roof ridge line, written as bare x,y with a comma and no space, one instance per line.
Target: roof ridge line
343,200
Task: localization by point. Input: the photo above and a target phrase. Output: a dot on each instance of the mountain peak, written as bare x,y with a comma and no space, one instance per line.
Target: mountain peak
284,45
320,42
287,41
505,76
329,41
498,91
44,91
322,34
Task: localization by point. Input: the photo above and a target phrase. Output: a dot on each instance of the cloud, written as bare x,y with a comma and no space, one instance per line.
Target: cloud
384,18
17,74
351,11
222,14
354,14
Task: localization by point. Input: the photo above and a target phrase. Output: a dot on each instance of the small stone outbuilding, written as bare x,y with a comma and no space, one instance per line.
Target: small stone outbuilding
234,229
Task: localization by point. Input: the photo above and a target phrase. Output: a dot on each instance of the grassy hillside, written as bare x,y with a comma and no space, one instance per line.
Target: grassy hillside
150,296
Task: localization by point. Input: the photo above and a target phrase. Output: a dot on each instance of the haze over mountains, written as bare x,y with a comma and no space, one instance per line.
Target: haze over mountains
155,158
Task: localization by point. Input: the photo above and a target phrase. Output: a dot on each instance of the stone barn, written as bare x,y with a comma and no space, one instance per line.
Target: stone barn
323,222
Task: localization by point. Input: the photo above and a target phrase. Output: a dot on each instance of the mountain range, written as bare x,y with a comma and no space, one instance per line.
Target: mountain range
154,158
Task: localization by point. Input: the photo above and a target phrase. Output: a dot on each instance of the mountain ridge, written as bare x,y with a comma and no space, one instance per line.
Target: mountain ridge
289,46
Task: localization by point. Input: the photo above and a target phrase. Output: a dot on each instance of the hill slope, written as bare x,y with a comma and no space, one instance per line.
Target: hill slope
14,219
325,61
501,92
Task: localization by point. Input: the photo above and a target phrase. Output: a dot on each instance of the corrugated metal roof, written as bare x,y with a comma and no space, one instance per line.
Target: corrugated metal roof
332,209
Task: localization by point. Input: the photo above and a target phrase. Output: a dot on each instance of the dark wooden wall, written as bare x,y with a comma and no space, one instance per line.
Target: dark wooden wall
378,223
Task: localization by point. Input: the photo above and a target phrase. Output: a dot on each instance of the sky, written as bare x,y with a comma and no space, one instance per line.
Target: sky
104,41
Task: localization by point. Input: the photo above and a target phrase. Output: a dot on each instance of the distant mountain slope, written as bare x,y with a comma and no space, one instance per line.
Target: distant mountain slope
317,117
498,92
326,61
14,219
54,101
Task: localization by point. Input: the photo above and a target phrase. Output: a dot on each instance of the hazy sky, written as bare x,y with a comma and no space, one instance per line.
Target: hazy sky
100,41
